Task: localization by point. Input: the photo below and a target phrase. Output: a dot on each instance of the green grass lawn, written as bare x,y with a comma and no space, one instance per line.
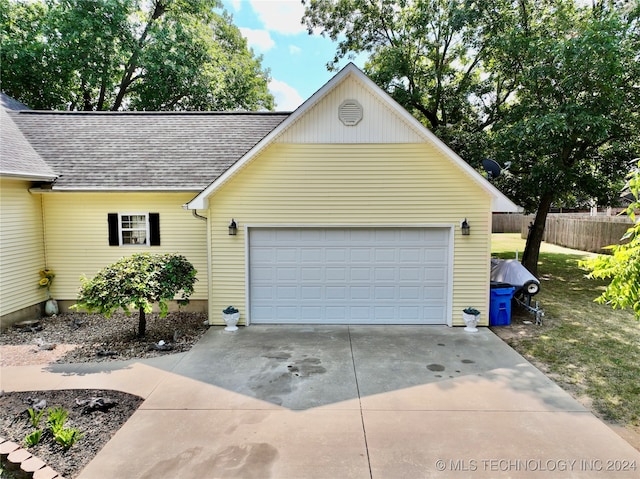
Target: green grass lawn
587,348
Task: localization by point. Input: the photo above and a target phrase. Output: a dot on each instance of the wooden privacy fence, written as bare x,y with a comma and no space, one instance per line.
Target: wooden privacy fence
572,230
506,223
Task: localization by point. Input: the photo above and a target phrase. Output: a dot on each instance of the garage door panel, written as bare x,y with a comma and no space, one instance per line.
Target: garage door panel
385,292
360,255
313,313
310,292
359,293
263,273
359,275
284,293
336,274
383,313
286,255
310,273
335,235
312,255
434,293
410,274
262,293
437,275
335,313
409,293
336,293
335,255
387,255
385,274
410,255
286,273
360,314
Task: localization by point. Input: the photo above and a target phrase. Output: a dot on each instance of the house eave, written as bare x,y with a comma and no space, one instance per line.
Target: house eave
89,189
19,175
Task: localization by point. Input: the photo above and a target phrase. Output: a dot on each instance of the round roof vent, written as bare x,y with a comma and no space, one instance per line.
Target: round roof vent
350,112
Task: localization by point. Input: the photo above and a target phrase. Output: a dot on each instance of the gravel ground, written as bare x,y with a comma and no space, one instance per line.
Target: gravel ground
78,338
92,338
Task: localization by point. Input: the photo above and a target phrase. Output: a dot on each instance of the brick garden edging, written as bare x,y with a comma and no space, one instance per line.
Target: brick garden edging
24,460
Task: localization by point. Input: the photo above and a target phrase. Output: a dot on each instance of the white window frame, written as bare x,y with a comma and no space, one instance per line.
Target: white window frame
121,230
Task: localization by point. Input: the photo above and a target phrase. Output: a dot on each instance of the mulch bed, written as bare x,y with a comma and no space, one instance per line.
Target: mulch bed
97,339
97,426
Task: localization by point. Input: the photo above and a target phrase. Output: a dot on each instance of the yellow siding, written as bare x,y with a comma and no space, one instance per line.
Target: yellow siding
78,242
356,184
21,247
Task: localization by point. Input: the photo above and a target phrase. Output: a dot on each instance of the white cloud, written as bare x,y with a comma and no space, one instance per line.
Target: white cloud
294,50
259,40
236,4
282,16
287,98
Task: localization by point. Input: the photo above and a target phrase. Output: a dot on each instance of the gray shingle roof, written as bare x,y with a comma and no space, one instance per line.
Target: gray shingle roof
142,150
17,157
9,103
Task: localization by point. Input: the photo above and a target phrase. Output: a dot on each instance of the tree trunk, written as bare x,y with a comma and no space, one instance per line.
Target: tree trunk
159,10
142,324
536,232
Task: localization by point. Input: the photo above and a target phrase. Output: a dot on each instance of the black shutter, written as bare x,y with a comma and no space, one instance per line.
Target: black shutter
112,218
154,227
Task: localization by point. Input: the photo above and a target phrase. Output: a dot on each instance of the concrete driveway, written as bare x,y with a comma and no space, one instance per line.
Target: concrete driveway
345,402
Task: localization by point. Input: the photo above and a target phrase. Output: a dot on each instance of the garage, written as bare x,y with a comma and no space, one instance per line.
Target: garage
382,275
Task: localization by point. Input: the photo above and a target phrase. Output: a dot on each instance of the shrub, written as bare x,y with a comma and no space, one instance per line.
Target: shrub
138,282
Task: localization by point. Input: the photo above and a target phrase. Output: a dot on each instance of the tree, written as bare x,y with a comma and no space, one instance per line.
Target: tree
138,281
428,55
572,125
623,265
128,54
549,86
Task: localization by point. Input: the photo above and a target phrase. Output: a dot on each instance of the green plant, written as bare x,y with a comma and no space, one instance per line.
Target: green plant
67,437
56,419
138,281
230,310
622,266
35,416
33,438
471,310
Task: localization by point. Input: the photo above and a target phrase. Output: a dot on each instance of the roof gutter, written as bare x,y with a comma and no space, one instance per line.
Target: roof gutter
28,176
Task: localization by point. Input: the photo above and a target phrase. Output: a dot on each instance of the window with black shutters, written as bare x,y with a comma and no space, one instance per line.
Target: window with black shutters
134,229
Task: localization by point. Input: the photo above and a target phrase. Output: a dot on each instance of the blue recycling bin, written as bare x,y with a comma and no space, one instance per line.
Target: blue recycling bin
500,304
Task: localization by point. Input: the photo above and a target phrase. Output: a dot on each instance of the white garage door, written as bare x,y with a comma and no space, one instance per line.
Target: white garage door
349,276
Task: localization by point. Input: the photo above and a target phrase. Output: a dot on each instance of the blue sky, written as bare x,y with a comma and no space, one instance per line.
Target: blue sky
296,59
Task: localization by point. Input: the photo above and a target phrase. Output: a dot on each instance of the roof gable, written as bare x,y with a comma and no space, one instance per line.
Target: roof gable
352,81
375,120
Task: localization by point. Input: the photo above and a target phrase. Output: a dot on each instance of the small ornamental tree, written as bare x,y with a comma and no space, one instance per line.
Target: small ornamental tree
623,265
138,281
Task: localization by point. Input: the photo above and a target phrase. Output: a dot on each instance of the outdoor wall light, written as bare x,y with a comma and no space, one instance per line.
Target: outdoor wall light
233,228
465,228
